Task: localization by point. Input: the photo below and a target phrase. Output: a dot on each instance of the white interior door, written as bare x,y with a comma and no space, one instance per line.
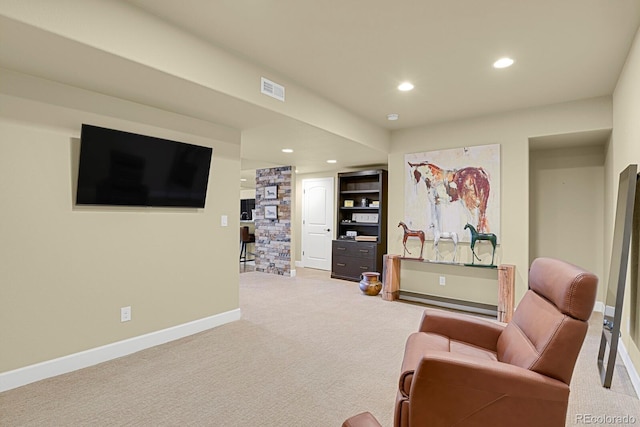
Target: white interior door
317,222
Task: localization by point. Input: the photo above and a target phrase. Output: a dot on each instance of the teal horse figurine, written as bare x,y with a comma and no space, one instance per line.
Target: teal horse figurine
475,236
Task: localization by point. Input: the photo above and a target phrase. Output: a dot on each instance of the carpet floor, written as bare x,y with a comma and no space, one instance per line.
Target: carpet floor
308,351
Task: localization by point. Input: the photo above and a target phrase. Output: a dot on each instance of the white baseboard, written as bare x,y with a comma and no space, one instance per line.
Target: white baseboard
292,273
62,365
599,307
631,370
299,264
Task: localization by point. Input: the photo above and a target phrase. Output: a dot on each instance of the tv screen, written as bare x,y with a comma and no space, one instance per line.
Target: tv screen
127,169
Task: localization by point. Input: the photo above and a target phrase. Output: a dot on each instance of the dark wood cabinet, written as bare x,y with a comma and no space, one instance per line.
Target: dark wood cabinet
350,259
362,224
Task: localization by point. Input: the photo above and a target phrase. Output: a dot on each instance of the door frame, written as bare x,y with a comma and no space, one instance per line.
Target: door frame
332,216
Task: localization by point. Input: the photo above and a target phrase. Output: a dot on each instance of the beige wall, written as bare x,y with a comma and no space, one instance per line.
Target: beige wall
567,206
624,149
424,278
512,131
67,270
248,193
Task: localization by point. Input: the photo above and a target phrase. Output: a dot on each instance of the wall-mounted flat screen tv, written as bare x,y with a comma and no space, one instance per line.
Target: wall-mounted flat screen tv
126,169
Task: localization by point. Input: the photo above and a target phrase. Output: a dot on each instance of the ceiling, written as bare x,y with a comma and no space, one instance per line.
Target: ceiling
354,54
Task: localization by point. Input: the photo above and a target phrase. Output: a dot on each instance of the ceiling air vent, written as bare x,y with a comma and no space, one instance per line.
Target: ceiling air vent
272,89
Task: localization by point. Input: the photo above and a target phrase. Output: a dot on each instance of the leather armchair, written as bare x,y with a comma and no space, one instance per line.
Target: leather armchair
463,370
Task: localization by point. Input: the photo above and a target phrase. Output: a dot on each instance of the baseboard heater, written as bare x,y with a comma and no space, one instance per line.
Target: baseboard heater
472,307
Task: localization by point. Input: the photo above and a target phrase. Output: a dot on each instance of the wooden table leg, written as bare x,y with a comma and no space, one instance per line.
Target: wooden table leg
506,291
391,277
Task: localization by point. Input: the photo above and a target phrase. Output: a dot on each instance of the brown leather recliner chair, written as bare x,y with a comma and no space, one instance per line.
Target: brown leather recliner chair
460,370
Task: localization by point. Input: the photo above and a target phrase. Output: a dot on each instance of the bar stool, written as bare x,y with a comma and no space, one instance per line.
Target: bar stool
245,238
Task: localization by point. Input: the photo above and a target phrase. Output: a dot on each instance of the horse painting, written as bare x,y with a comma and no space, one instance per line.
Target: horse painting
469,185
411,233
475,236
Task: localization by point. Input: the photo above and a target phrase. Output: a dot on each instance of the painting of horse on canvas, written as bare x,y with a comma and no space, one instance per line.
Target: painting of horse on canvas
447,189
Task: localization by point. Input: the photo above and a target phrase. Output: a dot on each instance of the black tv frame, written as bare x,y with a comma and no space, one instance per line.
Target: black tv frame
119,168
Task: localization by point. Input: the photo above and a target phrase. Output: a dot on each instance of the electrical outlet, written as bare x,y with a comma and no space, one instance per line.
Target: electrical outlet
125,314
443,281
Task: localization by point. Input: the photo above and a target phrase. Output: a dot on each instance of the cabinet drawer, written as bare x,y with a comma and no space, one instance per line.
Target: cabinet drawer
352,267
354,249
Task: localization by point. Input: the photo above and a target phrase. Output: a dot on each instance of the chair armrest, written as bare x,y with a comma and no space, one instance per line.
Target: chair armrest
467,391
462,327
364,419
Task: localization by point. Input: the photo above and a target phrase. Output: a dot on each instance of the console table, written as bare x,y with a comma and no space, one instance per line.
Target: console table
506,284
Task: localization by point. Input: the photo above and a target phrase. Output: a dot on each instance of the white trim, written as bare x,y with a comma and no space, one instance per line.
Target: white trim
292,273
62,365
299,264
599,307
631,370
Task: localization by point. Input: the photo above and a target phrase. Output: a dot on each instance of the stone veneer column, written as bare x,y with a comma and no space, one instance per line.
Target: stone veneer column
273,236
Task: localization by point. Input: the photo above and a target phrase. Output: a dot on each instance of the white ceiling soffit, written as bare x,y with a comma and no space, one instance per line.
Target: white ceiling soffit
58,59
594,138
66,61
74,75
355,53
311,146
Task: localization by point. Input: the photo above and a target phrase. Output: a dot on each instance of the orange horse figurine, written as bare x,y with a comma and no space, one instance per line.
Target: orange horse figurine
411,233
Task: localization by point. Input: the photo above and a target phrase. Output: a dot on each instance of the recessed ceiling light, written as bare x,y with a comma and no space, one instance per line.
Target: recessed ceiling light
406,86
332,161
392,116
243,179
287,150
503,63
